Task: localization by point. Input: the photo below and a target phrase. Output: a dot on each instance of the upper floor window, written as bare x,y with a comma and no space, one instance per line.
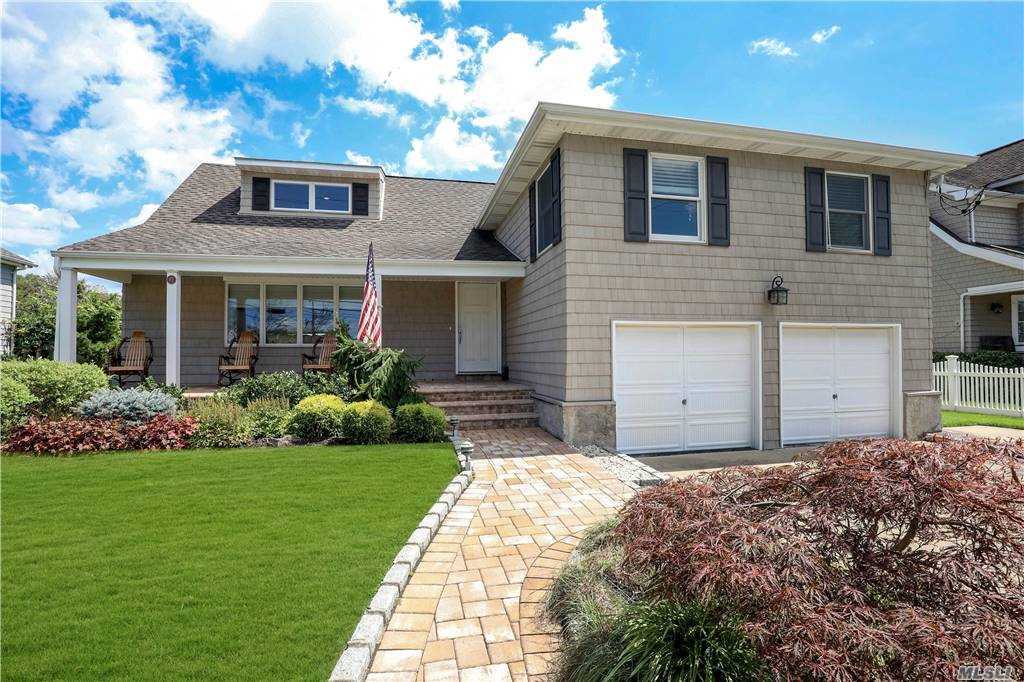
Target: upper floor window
676,198
546,209
846,205
310,196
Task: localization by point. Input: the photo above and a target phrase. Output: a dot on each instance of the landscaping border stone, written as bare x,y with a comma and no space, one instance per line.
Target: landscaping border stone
354,663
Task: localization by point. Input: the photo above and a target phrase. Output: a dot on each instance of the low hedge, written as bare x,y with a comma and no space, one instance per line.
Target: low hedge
60,437
15,402
419,423
221,424
267,417
58,387
991,358
316,418
133,405
366,423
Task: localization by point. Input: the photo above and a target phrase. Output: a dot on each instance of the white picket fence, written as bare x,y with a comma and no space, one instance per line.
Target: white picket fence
967,387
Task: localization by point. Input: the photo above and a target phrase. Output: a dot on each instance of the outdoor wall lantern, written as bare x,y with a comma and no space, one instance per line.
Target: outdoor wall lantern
997,308
778,294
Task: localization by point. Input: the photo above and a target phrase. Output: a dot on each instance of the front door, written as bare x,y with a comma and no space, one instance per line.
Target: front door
477,337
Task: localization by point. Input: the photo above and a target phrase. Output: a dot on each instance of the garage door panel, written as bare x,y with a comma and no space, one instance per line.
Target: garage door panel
650,436
850,341
809,342
862,366
718,370
724,401
638,403
863,424
721,433
807,398
718,341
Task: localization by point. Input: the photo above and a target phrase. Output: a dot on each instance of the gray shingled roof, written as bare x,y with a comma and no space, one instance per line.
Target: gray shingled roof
994,165
423,219
9,256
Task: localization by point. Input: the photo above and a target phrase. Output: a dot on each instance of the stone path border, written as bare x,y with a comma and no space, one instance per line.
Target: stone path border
541,638
354,662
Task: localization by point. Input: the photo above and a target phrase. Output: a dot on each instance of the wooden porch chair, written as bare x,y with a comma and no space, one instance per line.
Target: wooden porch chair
320,359
240,359
131,357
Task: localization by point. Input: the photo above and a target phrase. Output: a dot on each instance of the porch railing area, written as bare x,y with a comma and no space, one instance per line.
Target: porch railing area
968,387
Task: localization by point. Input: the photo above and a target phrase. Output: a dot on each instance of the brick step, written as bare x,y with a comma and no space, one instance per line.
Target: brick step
460,407
476,395
513,420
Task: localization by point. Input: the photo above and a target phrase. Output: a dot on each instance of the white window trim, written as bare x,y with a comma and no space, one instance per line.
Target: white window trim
300,297
1015,301
311,188
868,219
536,212
701,237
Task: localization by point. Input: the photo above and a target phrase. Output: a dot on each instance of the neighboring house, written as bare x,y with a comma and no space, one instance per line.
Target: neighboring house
10,263
978,258
619,268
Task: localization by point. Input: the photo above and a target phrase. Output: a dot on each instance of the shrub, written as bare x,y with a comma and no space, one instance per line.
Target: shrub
413,398
15,402
328,383
316,418
74,436
886,559
992,358
419,423
176,392
287,385
221,424
366,423
58,387
383,374
266,417
132,405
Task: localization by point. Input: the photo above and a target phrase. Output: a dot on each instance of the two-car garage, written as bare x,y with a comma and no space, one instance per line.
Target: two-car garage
682,386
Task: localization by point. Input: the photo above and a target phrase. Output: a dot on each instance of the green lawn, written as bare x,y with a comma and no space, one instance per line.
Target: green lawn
240,564
975,419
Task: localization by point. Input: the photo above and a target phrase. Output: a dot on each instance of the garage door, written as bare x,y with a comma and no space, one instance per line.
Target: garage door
836,383
685,387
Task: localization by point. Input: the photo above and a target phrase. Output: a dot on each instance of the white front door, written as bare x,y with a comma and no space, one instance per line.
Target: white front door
684,387
478,335
836,383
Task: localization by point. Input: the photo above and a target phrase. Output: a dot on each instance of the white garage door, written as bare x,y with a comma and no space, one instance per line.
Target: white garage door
836,383
684,387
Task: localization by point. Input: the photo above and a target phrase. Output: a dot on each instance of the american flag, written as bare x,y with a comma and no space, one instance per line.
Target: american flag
369,316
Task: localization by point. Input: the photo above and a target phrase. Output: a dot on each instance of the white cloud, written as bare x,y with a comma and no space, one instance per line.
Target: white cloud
450,5
139,218
300,134
372,107
823,34
448,148
359,159
72,198
773,47
31,225
60,55
18,141
43,260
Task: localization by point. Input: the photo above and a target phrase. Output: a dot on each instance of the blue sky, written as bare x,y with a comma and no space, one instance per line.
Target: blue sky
107,107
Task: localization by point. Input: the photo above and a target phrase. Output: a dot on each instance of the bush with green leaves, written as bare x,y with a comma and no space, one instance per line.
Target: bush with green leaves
58,387
131,405
328,383
366,422
287,385
176,392
991,358
414,398
15,403
419,423
316,418
220,424
386,375
267,417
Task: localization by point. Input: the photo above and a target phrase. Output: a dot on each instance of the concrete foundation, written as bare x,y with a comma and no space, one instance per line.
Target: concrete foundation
578,423
921,413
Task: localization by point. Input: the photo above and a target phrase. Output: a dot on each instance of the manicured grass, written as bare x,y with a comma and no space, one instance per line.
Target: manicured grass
234,564
976,419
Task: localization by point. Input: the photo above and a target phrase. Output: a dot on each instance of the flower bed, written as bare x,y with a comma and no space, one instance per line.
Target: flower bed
886,559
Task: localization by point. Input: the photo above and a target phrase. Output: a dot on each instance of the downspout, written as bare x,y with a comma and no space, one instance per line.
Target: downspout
963,298
973,236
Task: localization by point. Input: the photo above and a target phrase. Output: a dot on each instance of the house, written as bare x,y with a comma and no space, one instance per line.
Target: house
10,263
978,257
618,268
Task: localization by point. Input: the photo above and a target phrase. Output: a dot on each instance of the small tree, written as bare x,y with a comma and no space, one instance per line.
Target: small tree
99,319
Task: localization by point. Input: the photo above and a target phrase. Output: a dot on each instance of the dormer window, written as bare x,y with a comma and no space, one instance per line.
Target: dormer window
310,196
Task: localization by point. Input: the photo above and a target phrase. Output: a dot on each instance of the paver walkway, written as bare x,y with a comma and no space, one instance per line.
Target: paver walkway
526,442
990,432
469,611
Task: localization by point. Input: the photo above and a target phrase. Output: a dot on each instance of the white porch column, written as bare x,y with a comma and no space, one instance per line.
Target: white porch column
173,329
66,341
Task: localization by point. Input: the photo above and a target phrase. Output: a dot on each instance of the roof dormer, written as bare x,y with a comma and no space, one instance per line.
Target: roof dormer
309,189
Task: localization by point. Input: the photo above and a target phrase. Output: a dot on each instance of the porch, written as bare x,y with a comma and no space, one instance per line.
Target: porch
992,318
450,316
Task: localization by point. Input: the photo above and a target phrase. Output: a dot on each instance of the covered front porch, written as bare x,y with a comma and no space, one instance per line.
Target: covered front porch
992,318
449,314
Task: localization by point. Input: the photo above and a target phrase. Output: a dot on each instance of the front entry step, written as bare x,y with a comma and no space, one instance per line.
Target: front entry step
513,420
484,404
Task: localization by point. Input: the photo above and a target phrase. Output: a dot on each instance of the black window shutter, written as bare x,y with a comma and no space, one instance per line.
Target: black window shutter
533,221
556,197
814,203
261,194
718,201
882,219
634,185
360,198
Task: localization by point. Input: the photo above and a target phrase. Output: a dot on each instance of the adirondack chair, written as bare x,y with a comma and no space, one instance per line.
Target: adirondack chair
131,357
320,359
240,359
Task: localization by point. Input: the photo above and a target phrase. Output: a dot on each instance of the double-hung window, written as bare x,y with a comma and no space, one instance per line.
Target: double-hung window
310,196
1017,320
291,314
676,198
847,206
546,208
